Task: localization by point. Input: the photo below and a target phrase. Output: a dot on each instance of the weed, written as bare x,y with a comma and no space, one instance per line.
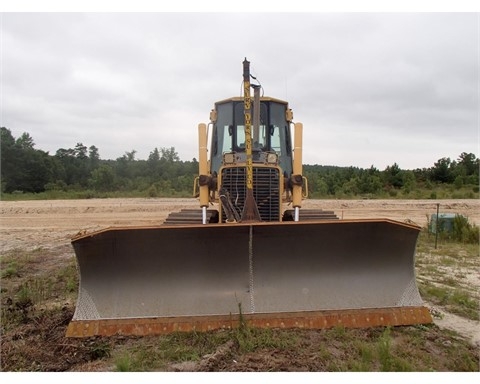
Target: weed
383,350
464,231
461,360
366,360
139,359
388,361
10,271
324,353
71,285
455,300
450,281
339,332
24,296
15,313
35,290
68,278
124,364
155,353
448,261
436,314
100,350
460,230
252,339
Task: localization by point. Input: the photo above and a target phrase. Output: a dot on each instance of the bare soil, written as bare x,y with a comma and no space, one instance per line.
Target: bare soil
50,225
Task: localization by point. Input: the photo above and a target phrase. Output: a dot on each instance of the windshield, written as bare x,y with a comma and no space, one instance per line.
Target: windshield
272,134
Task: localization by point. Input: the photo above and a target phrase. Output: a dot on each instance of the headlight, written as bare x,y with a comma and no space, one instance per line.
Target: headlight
229,158
272,158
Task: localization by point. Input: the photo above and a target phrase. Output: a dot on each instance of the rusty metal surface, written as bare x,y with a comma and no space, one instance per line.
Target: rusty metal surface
268,268
308,320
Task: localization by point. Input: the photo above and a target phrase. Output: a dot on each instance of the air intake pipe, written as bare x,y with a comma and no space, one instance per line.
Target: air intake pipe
297,178
203,170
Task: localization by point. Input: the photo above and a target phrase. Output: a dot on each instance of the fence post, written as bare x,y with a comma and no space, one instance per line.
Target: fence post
436,226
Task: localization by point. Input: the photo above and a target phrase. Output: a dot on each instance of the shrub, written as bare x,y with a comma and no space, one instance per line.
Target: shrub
464,231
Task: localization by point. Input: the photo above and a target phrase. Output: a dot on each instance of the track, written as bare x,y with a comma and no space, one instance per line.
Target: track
194,216
310,215
190,216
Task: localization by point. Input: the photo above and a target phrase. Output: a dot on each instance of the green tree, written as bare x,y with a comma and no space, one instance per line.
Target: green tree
80,151
25,141
130,156
466,170
23,168
169,154
130,172
7,153
441,172
153,164
103,178
469,163
75,164
409,182
369,181
394,176
154,156
94,157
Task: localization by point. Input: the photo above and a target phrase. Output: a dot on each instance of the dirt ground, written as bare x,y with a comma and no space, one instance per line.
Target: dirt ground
52,224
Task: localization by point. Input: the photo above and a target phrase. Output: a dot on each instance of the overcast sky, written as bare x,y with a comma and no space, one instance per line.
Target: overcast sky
370,88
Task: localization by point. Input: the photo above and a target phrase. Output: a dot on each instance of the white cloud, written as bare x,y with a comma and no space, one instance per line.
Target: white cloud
370,88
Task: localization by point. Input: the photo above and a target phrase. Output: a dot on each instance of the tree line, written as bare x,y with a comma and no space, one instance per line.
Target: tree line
25,169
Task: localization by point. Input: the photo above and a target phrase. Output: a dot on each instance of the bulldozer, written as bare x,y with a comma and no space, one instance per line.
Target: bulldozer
250,253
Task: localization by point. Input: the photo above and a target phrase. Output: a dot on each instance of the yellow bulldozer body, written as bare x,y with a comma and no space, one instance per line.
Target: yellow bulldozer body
243,256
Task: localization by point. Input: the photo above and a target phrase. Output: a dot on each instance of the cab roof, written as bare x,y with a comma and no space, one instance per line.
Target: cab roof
240,98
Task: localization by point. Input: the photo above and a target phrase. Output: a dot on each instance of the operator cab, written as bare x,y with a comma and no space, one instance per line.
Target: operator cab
271,141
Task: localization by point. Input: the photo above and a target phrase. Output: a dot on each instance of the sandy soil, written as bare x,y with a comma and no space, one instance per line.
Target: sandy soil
52,224
31,224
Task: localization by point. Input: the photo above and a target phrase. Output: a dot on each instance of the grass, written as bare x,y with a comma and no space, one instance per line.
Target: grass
439,192
13,263
155,353
455,301
88,194
399,349
363,351
11,270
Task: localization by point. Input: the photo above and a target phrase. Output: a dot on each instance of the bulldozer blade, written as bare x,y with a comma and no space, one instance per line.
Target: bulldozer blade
317,274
